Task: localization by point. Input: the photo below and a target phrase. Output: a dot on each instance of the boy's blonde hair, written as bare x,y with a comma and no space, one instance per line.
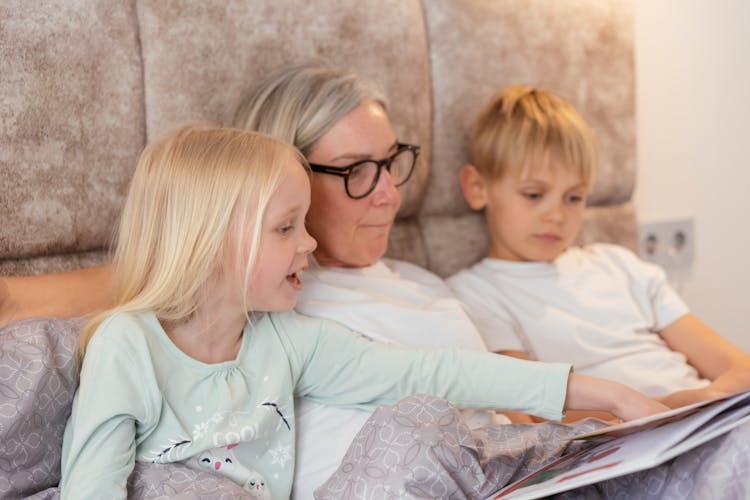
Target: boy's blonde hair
300,103
522,127
197,195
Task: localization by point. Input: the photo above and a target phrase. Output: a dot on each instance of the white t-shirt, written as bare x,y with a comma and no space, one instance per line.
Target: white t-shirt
599,308
390,301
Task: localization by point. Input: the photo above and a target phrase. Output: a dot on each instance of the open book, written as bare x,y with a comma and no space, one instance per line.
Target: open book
633,446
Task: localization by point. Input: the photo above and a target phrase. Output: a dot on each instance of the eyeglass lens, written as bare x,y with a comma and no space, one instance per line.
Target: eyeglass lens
363,177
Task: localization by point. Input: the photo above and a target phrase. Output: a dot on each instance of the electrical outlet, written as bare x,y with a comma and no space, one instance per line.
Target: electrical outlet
669,244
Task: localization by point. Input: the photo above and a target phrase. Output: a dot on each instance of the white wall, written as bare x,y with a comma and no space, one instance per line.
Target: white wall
693,107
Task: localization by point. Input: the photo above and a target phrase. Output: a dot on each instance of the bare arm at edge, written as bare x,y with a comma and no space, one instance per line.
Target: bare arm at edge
67,294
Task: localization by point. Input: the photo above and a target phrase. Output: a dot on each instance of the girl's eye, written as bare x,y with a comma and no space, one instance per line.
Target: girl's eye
285,229
532,195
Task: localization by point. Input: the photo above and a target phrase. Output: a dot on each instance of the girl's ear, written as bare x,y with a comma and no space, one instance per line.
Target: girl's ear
473,186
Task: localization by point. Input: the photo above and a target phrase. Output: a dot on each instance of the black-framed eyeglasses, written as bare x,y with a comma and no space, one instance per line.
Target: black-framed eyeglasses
360,178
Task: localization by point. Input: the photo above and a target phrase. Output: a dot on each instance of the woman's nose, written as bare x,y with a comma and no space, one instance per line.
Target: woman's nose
385,190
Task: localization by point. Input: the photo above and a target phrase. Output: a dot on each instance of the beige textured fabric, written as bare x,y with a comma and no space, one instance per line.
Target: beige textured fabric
454,241
406,243
611,224
72,125
77,110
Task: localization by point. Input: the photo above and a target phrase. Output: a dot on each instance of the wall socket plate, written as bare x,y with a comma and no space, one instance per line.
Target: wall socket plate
670,244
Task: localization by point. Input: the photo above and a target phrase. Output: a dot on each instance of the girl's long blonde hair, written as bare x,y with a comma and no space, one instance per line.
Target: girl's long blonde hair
195,191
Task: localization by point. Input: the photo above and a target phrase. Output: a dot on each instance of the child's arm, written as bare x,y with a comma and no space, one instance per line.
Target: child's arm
99,444
517,417
345,369
714,357
101,467
68,294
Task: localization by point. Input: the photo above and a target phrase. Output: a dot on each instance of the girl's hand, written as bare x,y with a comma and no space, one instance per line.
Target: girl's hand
592,393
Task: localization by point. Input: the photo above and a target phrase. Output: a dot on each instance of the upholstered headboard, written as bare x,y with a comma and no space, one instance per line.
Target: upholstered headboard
86,83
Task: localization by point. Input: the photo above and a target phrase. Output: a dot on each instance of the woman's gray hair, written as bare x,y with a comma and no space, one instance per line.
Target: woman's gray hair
300,103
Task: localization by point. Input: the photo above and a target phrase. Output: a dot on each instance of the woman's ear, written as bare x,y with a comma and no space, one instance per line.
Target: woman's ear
473,186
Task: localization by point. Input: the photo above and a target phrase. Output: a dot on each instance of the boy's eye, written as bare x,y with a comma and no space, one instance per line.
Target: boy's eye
285,229
575,198
532,195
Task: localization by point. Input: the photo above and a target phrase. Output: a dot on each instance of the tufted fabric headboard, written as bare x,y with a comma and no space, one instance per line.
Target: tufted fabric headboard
86,83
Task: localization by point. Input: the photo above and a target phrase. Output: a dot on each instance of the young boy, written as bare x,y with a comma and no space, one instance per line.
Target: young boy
533,160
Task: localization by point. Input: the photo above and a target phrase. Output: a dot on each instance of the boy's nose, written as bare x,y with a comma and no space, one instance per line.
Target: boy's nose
554,213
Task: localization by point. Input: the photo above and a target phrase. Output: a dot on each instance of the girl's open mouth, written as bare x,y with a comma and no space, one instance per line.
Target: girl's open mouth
294,280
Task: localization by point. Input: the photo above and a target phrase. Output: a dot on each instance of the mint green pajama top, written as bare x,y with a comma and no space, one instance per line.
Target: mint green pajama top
141,398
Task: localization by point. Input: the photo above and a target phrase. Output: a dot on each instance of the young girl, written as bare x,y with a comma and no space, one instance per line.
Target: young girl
180,371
